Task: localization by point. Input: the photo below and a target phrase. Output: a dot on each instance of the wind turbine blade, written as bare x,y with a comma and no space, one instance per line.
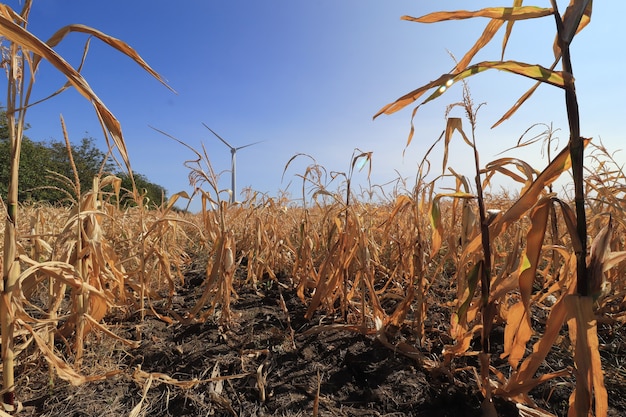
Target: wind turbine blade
245,146
219,137
176,139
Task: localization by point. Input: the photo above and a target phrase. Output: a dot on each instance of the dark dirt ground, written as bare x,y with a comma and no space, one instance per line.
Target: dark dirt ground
356,375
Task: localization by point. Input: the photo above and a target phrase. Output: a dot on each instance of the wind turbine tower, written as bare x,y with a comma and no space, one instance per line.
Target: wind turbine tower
233,162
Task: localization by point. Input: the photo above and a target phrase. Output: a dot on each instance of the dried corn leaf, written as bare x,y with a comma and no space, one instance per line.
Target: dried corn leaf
525,411
613,259
525,202
490,31
472,283
526,169
102,328
517,333
521,100
502,13
600,249
452,124
435,218
518,382
570,222
118,44
402,202
586,17
589,376
141,377
64,371
464,341
509,29
532,253
61,271
519,391
28,41
537,72
137,409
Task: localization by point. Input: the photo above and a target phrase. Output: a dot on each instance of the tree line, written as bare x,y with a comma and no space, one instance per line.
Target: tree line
46,173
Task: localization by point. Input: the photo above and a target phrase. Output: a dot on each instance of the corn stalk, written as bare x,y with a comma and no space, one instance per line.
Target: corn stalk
15,115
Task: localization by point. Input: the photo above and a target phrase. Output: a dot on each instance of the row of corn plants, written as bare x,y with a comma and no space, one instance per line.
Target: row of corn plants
370,267
80,262
578,276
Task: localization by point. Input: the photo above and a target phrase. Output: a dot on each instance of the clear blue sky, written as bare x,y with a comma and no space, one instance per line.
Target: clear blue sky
307,77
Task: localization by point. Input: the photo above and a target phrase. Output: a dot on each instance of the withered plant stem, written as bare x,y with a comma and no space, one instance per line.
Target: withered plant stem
485,271
576,146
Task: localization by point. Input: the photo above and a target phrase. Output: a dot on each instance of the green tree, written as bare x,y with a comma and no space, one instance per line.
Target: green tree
40,160
89,161
45,170
153,194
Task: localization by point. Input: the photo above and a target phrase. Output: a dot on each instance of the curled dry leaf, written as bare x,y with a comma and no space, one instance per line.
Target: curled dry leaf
590,390
502,13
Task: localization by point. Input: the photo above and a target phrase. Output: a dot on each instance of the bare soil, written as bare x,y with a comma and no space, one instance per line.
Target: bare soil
274,365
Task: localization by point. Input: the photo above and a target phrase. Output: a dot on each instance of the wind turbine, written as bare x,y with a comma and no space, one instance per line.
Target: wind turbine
233,165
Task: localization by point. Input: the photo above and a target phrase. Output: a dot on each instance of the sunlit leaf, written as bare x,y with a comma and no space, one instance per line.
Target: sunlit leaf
452,124
537,72
526,411
490,31
435,218
174,198
534,243
522,381
28,41
504,13
525,202
436,226
62,369
509,29
613,259
118,44
583,333
517,333
499,165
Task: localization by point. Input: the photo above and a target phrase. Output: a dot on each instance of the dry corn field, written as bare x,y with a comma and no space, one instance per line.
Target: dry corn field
429,300
270,308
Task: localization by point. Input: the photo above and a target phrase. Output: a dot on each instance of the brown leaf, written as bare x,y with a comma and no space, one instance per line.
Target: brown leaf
520,380
452,124
118,44
28,41
518,103
509,29
500,164
64,371
532,253
490,31
525,411
517,333
526,201
435,218
598,254
537,72
503,13
589,376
